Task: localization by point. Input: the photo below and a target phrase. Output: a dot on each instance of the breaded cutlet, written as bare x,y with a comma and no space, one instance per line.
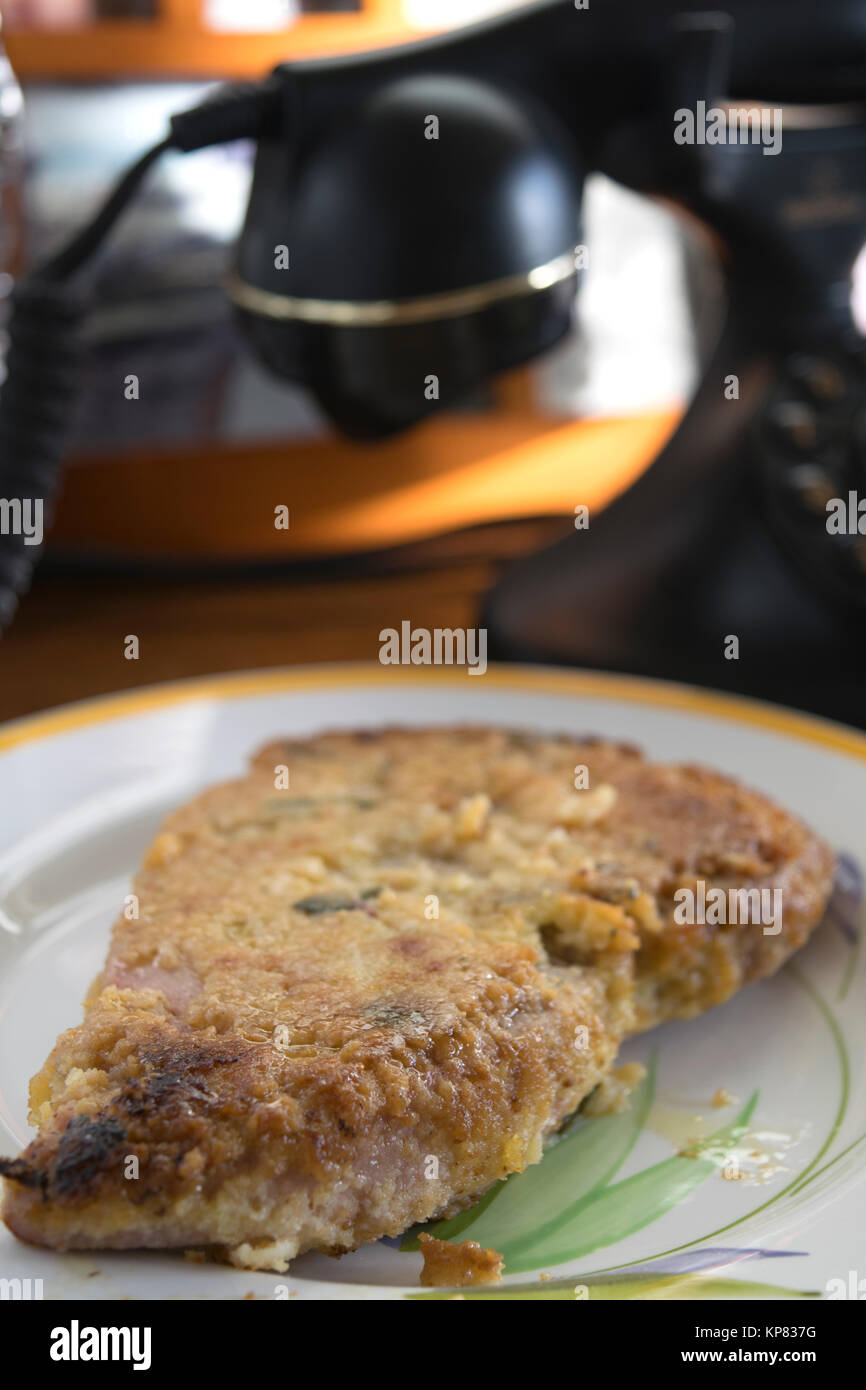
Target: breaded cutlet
368,979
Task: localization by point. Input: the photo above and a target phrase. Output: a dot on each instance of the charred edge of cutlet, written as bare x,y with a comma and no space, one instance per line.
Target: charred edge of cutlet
83,1152
69,1166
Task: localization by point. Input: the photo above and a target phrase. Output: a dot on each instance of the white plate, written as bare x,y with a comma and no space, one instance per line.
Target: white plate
82,790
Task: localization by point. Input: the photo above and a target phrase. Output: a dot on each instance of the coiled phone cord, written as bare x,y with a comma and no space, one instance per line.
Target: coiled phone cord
38,396
47,311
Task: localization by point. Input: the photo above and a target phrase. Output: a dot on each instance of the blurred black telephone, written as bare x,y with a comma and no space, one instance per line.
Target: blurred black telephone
415,211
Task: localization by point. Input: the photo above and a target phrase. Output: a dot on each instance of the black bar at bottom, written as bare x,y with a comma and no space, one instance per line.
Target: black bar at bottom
222,1339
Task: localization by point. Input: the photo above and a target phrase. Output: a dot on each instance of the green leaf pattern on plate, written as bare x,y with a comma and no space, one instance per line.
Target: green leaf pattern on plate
568,1205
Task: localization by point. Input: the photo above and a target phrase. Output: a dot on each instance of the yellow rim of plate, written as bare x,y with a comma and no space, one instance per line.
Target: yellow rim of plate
538,680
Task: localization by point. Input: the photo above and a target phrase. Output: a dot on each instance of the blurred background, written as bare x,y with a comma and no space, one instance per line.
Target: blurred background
165,528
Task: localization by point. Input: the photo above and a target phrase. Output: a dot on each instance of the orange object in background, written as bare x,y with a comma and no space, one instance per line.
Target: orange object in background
177,42
448,474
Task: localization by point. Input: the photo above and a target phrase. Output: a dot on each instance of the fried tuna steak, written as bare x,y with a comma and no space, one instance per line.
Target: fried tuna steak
365,982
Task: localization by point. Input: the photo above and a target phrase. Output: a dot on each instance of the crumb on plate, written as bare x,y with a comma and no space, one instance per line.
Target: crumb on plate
450,1266
723,1098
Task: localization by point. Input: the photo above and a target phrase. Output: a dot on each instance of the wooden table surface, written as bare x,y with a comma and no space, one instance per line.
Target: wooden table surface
67,640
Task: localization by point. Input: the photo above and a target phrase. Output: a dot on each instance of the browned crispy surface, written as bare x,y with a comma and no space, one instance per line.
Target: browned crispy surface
459,1266
356,1002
